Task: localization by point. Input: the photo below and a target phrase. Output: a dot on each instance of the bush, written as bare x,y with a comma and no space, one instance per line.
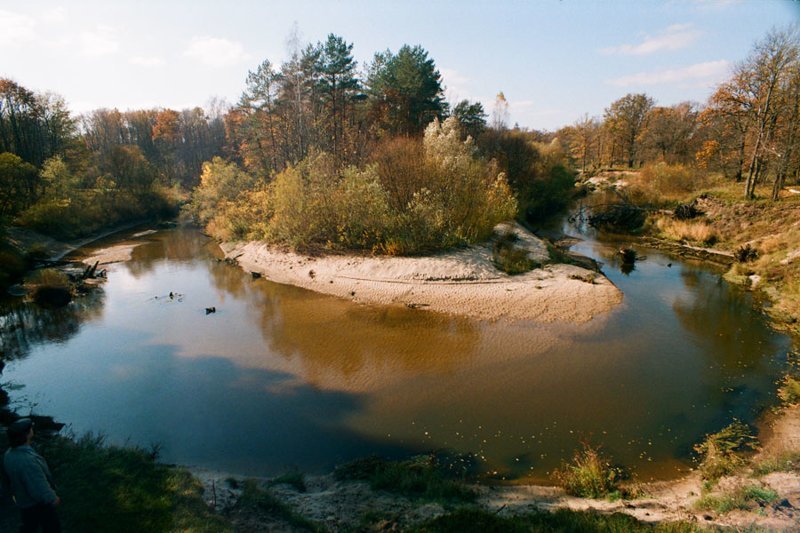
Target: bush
590,475
745,254
457,199
686,211
668,179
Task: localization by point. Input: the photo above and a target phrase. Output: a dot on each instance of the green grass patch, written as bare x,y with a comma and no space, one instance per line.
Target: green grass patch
589,475
785,462
742,498
722,452
481,521
425,477
254,496
108,488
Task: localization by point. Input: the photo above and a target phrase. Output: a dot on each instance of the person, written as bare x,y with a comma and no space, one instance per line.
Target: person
30,480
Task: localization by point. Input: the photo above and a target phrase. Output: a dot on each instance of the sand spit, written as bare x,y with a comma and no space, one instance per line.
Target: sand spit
462,282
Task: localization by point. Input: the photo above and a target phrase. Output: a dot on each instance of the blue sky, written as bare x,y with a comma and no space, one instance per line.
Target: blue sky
553,60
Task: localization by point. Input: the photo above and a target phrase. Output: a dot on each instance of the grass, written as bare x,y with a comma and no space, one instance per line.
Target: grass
294,479
722,452
510,259
789,391
784,462
425,477
49,277
261,499
742,498
482,521
108,488
590,475
684,230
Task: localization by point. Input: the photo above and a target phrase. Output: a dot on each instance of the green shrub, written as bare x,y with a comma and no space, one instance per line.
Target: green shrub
722,451
590,475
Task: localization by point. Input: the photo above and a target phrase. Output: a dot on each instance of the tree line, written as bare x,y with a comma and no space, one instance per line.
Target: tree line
748,130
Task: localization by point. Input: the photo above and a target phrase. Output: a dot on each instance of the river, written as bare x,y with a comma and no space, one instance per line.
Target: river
281,378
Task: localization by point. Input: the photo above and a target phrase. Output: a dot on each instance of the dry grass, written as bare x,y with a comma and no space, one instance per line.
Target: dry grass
686,230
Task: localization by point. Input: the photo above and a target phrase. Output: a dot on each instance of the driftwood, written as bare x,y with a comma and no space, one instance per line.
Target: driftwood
91,271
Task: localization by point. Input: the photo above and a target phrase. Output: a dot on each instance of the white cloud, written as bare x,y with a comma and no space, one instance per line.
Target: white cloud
216,52
100,42
674,37
148,62
716,4
57,15
706,73
16,29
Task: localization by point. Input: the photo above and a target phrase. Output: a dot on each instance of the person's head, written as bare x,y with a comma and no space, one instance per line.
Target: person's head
19,432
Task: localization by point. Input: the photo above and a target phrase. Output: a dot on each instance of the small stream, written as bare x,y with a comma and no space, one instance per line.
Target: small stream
280,378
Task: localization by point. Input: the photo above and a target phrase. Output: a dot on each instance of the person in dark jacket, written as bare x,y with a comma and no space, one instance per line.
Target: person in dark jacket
30,480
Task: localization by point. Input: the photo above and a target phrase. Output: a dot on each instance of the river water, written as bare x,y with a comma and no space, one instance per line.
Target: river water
280,378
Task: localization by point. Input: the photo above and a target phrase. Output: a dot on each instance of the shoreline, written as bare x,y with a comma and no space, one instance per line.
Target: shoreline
463,282
666,500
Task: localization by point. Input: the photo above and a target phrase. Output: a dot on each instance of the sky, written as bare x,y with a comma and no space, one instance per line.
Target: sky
554,60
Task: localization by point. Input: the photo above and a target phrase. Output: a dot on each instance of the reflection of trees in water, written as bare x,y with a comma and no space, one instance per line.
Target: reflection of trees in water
25,324
746,353
330,335
179,245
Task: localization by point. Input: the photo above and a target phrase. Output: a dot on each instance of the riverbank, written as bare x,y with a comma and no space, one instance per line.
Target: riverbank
333,503
463,282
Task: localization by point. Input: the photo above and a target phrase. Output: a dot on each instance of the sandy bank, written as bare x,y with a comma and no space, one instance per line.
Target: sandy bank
461,282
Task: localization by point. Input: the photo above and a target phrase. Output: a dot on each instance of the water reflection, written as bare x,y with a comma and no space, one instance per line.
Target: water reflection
281,376
25,324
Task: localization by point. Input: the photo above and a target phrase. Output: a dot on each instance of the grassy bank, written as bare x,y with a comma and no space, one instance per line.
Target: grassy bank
110,488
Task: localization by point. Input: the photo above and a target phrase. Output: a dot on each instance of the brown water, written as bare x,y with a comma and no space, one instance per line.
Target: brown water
280,377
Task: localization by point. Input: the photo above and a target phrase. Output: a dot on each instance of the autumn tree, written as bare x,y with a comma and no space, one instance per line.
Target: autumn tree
583,140
765,73
625,119
669,132
33,126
